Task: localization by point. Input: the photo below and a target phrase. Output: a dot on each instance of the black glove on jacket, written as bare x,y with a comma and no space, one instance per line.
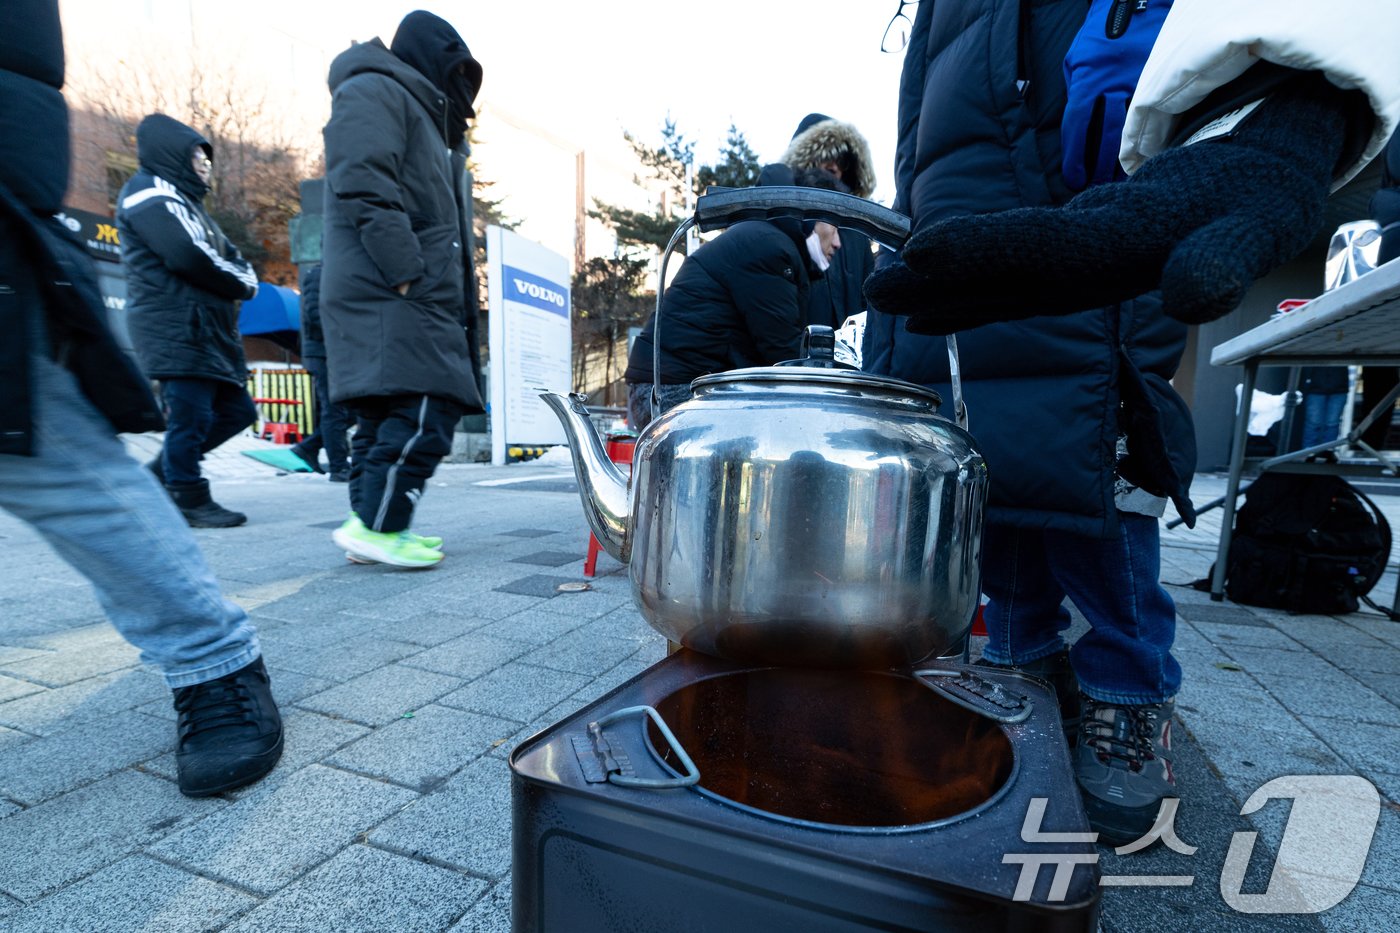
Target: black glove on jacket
1201,222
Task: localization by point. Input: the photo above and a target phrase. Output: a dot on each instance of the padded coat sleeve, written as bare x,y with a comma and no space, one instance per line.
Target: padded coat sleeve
365,141
174,233
764,289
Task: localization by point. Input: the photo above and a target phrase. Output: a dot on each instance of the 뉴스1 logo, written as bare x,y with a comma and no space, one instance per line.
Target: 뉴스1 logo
1320,858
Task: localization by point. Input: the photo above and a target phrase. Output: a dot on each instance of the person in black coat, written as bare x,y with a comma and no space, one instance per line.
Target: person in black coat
1379,381
838,149
184,279
740,301
397,311
66,388
332,420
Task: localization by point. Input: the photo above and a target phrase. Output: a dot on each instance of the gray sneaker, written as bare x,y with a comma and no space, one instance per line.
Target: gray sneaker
1123,765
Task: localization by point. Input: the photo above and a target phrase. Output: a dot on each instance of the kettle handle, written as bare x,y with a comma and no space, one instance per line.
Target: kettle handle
720,207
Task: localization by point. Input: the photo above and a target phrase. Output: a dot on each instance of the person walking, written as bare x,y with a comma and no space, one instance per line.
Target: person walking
397,301
824,144
183,281
739,301
66,388
332,421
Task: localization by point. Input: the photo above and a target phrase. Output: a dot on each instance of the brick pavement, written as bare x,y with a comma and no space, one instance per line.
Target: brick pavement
405,692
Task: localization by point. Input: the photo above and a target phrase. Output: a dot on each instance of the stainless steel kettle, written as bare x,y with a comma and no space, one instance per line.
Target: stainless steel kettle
800,514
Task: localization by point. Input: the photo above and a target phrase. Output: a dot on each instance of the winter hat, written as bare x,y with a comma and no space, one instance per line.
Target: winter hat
1200,222
435,50
820,139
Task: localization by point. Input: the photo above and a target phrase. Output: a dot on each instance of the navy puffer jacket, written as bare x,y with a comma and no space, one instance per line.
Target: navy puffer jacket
981,98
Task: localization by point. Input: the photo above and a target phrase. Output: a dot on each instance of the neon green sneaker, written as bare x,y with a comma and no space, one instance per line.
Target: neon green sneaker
398,549
430,541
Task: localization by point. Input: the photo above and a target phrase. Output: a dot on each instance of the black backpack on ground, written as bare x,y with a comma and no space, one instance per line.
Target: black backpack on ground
1306,543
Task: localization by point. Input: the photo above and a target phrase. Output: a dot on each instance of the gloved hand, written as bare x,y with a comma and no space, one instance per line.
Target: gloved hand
1102,69
1201,222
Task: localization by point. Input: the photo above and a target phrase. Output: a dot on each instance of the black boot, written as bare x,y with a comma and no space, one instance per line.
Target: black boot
230,732
199,509
157,468
1201,222
1055,670
311,458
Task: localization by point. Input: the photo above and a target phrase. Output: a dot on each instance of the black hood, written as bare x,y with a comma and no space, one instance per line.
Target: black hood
435,50
164,146
781,174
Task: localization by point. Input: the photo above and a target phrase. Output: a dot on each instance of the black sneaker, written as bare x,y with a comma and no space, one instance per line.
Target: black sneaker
200,510
312,460
1123,765
230,732
1055,670
340,476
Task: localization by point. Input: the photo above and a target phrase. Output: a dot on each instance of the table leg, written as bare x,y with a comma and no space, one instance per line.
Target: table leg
1232,485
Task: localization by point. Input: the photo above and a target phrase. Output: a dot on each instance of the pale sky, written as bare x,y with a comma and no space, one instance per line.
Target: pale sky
559,76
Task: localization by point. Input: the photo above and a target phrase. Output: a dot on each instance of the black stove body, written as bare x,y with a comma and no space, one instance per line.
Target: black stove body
827,802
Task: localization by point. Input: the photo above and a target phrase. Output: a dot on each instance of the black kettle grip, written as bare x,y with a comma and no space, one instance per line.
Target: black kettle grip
722,207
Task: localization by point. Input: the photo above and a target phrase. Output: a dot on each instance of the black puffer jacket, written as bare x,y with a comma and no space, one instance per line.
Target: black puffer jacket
183,276
395,198
313,341
981,98
50,283
739,301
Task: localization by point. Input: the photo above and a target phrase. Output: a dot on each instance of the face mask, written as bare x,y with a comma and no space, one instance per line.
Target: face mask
814,249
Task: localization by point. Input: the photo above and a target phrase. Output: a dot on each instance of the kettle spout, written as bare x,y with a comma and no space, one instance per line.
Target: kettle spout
602,486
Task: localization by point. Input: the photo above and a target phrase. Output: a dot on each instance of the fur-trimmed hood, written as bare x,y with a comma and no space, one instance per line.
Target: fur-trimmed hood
827,140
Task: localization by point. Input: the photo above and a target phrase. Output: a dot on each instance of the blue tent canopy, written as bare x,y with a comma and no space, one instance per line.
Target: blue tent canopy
275,308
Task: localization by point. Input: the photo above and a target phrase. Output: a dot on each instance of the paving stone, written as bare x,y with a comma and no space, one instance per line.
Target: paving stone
366,890
382,696
1318,632
64,707
1387,783
137,893
268,839
425,750
1337,697
549,558
1215,613
1273,661
1244,706
540,585
468,657
583,652
52,765
465,823
433,628
1249,757
321,629
1380,660
63,839
549,718
532,627
1257,636
588,604
616,677
528,533
10,653
490,605
58,669
347,659
12,688
490,914
1366,745
1366,908
1387,685
624,622
516,691
1382,629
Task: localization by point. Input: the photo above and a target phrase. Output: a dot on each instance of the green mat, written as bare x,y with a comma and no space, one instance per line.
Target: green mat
282,458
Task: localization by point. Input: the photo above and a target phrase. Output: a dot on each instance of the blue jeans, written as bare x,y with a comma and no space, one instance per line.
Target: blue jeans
1125,657
1322,417
202,414
109,518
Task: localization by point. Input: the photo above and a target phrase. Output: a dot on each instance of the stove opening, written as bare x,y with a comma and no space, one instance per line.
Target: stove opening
855,749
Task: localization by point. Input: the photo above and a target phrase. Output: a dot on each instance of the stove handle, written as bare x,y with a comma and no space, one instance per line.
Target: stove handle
977,694
692,773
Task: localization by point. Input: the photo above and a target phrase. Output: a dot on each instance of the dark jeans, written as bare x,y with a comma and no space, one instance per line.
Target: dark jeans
200,415
1125,657
332,421
639,407
399,441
